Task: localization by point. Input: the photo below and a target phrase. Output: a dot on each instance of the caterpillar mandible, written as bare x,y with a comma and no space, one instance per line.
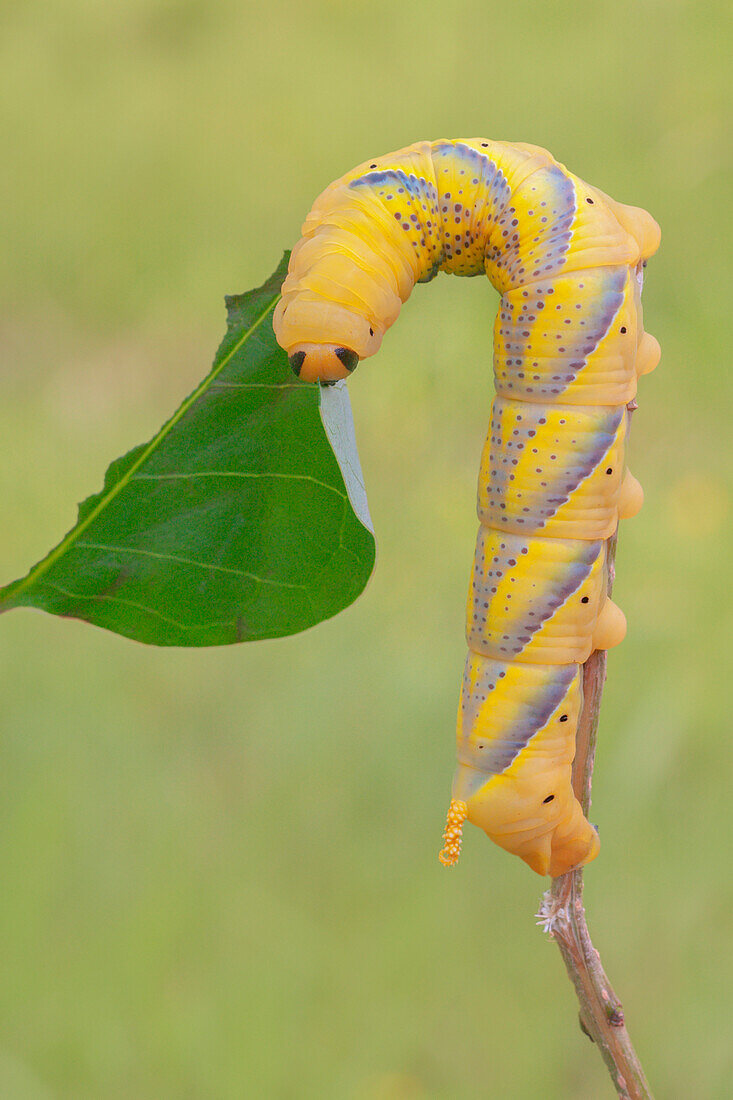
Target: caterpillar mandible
569,346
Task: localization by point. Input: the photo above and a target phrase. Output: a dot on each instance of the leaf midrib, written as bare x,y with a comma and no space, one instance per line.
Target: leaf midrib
14,590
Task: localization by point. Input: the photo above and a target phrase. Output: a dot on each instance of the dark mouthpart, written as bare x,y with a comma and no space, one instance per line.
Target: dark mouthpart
349,358
296,362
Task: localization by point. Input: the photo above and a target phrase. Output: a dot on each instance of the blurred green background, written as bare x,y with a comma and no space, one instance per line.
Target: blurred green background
219,873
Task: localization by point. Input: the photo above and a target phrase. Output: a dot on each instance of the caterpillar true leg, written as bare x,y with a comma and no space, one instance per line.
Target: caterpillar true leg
569,345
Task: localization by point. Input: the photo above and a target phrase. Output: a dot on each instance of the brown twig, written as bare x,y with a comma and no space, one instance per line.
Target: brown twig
563,916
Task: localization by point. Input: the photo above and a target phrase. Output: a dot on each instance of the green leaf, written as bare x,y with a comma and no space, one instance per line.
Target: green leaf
234,522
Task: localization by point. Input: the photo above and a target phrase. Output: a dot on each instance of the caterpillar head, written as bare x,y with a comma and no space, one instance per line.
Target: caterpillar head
323,340
322,362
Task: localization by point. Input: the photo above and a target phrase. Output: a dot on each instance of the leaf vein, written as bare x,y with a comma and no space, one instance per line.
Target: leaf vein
116,599
218,384
180,560
240,474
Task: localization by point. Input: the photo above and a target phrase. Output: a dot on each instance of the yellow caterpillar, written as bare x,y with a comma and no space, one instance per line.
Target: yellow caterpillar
569,345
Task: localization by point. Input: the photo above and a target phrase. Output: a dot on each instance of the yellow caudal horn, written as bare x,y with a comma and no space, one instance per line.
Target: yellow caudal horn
457,813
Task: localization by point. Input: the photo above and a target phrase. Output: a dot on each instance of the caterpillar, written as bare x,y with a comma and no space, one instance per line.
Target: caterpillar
569,346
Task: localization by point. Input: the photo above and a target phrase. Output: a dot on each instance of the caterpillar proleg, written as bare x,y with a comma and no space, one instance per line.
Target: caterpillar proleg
569,346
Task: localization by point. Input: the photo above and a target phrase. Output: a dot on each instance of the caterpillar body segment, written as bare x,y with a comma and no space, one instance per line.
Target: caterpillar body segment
523,798
592,364
552,469
535,599
569,347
